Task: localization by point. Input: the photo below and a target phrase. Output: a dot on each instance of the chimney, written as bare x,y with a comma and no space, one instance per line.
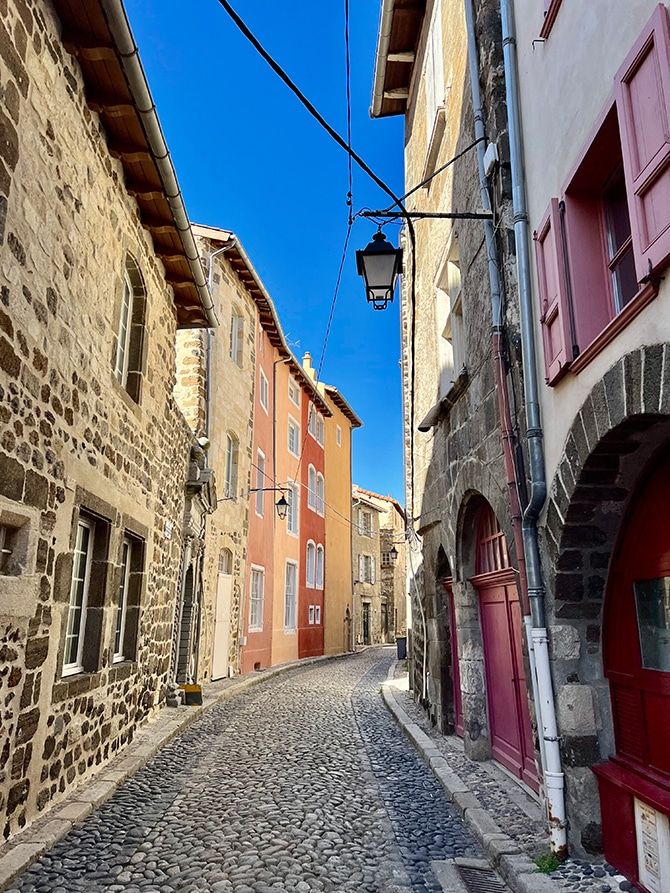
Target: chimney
307,366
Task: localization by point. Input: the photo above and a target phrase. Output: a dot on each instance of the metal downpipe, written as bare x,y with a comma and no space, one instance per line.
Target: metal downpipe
553,774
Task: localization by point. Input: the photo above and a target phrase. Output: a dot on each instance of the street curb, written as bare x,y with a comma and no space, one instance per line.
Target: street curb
28,845
516,868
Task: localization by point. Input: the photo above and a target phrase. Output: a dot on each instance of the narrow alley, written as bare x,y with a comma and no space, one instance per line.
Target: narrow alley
304,780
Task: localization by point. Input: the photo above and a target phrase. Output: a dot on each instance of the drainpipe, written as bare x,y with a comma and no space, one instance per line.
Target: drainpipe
231,244
553,773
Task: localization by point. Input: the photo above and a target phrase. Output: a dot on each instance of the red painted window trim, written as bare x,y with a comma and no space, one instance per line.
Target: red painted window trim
554,311
551,8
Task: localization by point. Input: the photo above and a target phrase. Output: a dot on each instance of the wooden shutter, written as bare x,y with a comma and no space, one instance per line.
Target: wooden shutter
373,575
554,308
642,88
361,572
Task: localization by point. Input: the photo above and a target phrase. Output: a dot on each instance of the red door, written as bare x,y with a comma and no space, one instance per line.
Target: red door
636,657
502,637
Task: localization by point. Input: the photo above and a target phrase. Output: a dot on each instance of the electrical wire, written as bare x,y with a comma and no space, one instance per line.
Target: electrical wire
350,194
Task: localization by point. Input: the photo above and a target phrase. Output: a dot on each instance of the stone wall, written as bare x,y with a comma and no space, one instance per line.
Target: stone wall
72,439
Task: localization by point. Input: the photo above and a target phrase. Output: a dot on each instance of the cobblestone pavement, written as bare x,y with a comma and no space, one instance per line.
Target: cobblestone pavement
302,783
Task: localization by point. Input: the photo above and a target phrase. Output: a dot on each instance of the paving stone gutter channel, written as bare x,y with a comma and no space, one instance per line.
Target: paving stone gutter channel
517,810
24,848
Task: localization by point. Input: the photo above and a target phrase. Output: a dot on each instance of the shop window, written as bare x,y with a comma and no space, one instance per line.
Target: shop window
600,249
130,332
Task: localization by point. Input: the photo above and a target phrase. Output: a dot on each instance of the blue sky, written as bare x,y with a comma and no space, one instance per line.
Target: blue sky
249,158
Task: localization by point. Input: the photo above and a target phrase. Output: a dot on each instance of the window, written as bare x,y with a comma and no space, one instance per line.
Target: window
365,522
260,483
76,615
338,435
319,566
311,615
130,332
122,605
290,592
293,499
320,429
600,249
366,569
310,565
434,70
256,599
261,341
263,391
293,437
225,562
232,458
317,614
311,488
85,618
449,320
320,493
386,558
236,337
293,390
311,420
10,559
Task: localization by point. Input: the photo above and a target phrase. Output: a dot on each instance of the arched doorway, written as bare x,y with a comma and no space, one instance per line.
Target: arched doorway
507,696
635,782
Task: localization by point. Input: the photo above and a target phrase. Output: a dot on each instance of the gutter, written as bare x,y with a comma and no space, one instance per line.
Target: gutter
381,59
119,26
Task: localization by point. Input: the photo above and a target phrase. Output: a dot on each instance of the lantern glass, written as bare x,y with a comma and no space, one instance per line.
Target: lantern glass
282,507
379,265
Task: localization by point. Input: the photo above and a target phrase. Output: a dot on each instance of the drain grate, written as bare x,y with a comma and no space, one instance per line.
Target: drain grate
481,880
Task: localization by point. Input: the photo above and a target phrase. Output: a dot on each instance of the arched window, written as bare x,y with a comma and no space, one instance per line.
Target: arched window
225,562
310,565
130,331
232,458
320,429
492,552
311,488
320,494
319,566
311,419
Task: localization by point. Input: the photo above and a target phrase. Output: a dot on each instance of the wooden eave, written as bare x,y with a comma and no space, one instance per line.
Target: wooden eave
343,406
87,37
406,25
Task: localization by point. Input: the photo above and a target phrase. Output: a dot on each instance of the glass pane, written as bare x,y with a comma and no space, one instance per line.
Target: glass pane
624,279
652,601
618,220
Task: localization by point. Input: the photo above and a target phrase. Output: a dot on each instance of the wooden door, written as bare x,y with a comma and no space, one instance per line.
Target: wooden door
224,591
366,623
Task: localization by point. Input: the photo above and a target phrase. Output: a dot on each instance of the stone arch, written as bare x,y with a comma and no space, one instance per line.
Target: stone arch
445,632
620,432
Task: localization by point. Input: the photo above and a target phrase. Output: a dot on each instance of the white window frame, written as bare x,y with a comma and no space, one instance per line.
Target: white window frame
232,466
311,420
338,435
320,494
256,598
317,615
366,569
236,347
311,488
71,633
320,430
122,606
263,391
293,436
310,616
320,566
310,564
290,595
293,512
364,529
293,390
260,484
123,333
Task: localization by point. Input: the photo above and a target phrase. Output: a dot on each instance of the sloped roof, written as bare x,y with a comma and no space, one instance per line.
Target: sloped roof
98,34
397,43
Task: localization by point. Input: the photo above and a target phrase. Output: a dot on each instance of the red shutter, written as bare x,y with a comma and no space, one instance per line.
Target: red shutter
642,87
554,310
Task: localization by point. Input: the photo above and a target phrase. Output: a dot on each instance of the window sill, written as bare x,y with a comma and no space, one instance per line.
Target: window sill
550,18
645,296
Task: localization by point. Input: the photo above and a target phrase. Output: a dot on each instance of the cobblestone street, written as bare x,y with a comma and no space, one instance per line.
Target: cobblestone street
302,783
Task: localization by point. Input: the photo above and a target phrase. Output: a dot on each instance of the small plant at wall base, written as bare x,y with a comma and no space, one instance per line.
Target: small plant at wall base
547,863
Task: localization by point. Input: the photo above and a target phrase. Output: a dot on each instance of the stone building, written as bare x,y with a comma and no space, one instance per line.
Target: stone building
98,270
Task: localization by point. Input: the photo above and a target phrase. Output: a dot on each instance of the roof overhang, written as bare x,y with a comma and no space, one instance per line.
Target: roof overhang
343,406
97,33
397,42
269,319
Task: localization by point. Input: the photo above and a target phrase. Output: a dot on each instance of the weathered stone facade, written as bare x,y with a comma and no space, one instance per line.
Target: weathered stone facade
76,443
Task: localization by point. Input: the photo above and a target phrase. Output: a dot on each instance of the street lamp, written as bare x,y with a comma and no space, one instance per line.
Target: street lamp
282,507
393,554
379,264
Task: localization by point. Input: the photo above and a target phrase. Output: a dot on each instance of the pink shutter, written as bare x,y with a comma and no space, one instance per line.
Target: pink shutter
554,310
642,87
